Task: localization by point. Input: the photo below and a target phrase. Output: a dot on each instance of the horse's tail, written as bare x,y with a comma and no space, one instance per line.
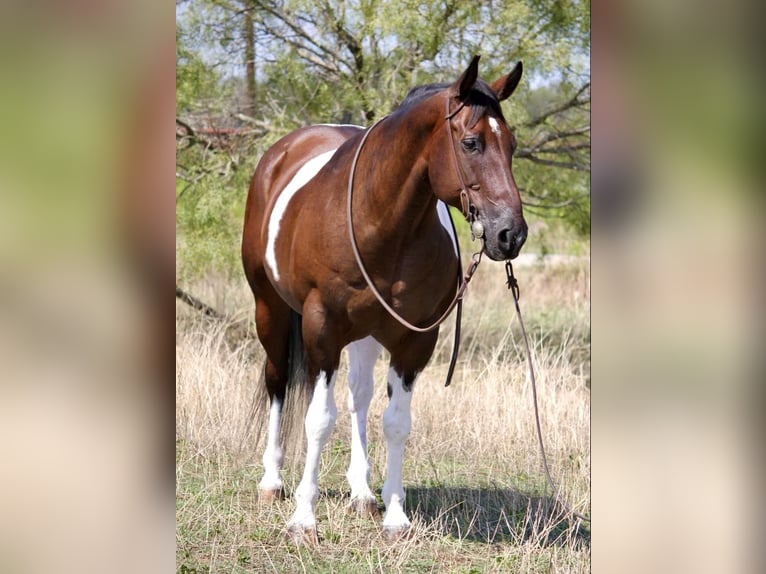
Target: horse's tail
297,393
296,353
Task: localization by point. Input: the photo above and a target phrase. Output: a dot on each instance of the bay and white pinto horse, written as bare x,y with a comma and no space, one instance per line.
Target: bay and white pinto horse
446,144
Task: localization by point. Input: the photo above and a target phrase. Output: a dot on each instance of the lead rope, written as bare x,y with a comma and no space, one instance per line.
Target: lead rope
513,285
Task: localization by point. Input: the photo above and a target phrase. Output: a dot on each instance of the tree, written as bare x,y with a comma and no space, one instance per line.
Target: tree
281,64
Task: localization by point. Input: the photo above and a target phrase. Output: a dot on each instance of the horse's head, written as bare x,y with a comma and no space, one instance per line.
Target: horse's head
472,169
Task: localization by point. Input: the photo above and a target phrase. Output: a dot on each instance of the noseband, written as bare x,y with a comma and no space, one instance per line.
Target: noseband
468,213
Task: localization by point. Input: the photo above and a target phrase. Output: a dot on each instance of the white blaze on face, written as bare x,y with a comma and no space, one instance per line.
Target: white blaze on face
494,125
305,174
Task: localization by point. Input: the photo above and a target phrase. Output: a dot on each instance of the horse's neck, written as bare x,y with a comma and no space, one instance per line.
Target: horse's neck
401,193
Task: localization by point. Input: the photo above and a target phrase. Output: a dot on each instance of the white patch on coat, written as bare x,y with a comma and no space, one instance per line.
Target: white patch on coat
340,126
446,221
397,422
272,457
494,125
305,174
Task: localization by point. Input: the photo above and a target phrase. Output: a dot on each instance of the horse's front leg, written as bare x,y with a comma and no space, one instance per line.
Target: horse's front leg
362,356
397,421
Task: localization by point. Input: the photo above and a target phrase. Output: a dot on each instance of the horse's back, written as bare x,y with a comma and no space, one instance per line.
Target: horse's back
283,160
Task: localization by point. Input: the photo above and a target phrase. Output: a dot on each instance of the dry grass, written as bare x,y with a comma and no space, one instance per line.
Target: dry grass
473,475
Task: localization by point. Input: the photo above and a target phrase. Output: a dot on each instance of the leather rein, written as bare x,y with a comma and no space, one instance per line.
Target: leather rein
467,208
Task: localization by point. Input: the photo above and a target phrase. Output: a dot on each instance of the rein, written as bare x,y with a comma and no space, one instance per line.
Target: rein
513,285
462,282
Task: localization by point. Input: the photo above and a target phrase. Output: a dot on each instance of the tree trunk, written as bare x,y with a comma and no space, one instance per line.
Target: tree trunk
249,36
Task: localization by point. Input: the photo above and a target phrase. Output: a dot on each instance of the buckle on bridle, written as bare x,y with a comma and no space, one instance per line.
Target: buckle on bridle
465,203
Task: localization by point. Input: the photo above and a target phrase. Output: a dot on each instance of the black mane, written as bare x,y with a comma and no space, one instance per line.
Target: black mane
480,99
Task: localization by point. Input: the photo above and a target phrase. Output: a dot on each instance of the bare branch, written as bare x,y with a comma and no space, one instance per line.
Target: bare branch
559,205
310,44
559,135
191,136
574,102
197,304
573,165
564,148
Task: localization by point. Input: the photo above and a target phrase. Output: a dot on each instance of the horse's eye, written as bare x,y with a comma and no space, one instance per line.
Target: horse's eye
470,145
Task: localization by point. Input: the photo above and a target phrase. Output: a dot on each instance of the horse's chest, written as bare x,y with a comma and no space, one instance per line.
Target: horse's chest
427,275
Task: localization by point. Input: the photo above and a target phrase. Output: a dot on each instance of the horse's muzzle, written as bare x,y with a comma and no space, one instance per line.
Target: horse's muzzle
507,242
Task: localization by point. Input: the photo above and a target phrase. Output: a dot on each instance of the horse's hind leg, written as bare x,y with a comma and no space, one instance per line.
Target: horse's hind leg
362,355
270,487
320,422
272,320
323,355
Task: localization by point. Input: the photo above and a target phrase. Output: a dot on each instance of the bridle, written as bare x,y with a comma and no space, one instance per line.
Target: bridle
468,212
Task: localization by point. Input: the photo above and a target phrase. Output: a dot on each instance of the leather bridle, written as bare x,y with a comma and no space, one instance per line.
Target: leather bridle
465,199
466,206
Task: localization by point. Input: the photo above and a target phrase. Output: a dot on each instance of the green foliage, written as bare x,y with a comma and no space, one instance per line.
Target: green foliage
209,218
196,81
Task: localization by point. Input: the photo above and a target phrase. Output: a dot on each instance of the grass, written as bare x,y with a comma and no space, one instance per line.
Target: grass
475,489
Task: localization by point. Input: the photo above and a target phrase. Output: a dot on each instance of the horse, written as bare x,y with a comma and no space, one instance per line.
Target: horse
347,243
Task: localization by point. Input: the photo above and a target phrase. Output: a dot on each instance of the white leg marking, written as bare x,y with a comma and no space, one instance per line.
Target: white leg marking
320,421
361,357
304,175
272,457
396,427
446,221
494,125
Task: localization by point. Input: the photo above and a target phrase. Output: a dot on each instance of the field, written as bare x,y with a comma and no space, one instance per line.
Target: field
476,492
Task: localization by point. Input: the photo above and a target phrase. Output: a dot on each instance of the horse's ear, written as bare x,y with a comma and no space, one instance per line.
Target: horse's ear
505,86
467,79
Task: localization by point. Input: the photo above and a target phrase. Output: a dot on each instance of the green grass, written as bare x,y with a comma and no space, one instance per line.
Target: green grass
460,526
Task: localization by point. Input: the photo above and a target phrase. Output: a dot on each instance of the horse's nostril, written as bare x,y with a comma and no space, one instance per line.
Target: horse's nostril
504,238
509,241
521,237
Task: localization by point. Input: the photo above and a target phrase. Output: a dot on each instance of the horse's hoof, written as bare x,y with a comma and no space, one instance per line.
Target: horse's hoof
396,533
364,507
269,495
302,535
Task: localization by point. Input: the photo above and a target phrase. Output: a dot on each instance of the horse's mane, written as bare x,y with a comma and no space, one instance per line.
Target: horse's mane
480,99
